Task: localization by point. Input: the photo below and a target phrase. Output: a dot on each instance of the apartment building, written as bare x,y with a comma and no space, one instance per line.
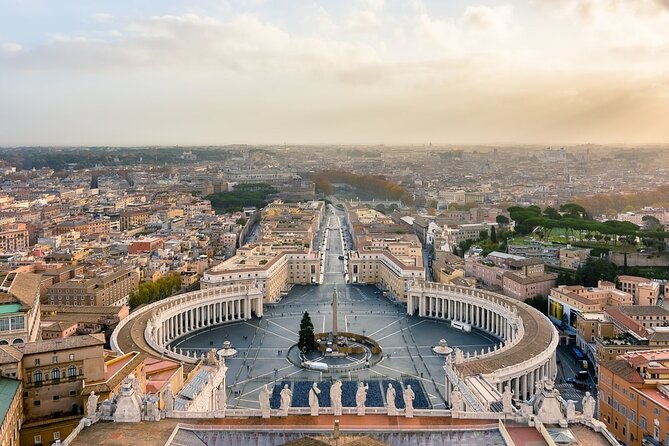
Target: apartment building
14,238
516,276
272,270
111,289
391,262
565,302
130,218
645,291
53,373
19,308
634,397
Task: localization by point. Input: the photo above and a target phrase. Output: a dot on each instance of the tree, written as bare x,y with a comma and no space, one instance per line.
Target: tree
432,203
594,270
306,341
650,223
539,302
493,234
502,220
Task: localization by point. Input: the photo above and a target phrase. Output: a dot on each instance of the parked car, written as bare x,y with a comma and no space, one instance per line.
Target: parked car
571,380
582,374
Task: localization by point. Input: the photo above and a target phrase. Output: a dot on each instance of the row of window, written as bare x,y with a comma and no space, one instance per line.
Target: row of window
55,374
54,359
12,323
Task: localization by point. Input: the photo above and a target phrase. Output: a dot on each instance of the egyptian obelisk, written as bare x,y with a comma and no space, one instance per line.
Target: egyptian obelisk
334,313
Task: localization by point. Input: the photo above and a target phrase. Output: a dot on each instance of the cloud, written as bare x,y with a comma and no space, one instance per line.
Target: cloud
486,18
363,21
10,47
103,17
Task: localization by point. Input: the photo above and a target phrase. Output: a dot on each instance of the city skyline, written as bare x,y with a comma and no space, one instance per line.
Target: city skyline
364,72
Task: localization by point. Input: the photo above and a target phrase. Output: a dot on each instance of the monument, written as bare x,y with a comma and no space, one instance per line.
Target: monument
313,399
92,406
129,405
361,397
588,406
286,397
335,398
409,396
263,399
507,400
390,400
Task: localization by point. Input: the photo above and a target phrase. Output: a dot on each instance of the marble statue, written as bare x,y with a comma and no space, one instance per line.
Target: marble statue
221,397
168,399
390,400
507,400
361,397
538,387
588,406
335,397
107,410
313,399
286,397
152,411
571,410
263,399
92,405
456,401
409,396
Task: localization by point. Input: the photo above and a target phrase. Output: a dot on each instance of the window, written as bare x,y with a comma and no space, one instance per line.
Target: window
623,411
38,439
18,323
56,435
36,403
71,371
657,412
4,324
642,423
632,415
54,360
56,397
643,402
55,374
38,376
73,392
37,363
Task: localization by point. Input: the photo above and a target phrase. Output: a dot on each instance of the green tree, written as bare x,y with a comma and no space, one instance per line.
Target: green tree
594,270
651,223
493,235
539,302
306,341
502,220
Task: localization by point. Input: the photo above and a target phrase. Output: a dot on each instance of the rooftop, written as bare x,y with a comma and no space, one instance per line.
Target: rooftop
8,389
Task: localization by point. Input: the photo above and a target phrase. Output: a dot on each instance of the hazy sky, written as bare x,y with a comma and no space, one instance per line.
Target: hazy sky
333,71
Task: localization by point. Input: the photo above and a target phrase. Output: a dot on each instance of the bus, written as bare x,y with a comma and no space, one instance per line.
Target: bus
578,353
461,326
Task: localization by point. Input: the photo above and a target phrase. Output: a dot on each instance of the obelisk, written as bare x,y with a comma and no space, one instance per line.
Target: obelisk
334,313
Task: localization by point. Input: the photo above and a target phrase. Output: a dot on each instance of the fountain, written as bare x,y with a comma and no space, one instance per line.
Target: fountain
227,351
443,348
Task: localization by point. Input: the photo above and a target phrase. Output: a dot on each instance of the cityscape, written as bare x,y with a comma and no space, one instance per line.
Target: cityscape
327,224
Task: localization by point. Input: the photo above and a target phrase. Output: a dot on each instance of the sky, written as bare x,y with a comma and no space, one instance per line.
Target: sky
164,72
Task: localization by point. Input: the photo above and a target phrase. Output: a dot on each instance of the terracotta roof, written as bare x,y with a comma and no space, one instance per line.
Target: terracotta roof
116,378
623,369
25,287
644,310
9,354
61,344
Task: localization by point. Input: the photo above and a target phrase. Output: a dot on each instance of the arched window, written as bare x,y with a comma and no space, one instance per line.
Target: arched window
55,373
71,371
17,341
38,376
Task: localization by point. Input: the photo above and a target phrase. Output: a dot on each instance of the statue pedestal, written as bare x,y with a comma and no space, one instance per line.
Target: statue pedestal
361,411
314,411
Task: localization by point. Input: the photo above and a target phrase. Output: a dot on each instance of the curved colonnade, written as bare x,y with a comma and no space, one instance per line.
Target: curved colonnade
152,328
526,354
